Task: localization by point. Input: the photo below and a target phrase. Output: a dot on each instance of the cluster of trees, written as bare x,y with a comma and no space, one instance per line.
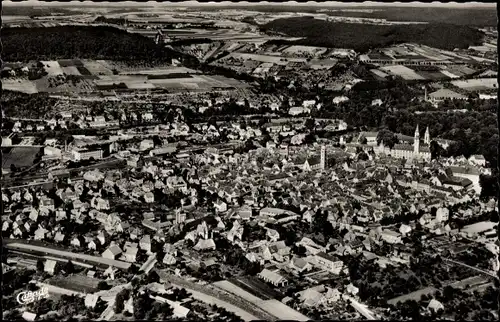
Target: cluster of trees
64,42
477,17
21,105
362,37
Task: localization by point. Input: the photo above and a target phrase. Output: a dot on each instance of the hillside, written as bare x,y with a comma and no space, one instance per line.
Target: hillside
465,17
362,37
67,42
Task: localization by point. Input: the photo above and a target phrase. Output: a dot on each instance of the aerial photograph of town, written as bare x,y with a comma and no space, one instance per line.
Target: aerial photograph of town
238,162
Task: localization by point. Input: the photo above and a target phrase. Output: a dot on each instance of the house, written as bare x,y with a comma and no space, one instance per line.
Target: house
300,265
149,197
205,244
444,93
435,305
311,297
91,244
272,277
40,233
391,236
328,262
146,145
78,241
112,252
145,243
28,316
51,267
478,160
131,251
91,300
220,206
59,237
169,259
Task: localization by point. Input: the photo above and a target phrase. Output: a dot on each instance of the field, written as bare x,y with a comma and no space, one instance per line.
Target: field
477,84
90,76
402,71
315,51
19,157
19,85
78,283
267,58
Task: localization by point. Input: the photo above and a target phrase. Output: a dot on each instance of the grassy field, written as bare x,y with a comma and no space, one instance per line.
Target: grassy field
77,283
402,71
20,157
477,84
19,85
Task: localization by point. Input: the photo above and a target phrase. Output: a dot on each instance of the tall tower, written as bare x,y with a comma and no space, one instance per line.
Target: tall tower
427,137
323,157
416,143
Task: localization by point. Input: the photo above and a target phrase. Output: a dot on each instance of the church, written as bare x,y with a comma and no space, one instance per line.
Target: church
408,151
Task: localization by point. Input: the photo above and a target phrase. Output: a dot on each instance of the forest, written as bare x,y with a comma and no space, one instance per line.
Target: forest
65,42
363,37
465,17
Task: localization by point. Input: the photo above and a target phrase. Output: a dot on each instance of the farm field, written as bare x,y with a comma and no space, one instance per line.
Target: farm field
315,51
477,84
19,157
258,286
238,291
19,85
87,76
266,58
271,306
402,71
78,283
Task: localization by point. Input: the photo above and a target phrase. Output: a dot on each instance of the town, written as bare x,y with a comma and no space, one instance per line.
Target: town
245,177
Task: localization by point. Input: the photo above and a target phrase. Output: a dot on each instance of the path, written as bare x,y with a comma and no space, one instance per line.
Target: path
213,300
33,249
246,310
361,308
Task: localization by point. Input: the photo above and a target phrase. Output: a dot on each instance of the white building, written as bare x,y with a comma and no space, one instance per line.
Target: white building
86,155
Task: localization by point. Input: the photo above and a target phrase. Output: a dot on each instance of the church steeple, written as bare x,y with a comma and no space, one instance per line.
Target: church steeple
416,143
427,137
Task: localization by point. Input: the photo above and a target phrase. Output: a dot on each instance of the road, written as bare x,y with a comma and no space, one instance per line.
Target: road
246,316
361,308
32,249
246,310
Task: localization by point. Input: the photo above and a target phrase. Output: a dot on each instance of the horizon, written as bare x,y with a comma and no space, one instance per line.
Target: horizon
436,4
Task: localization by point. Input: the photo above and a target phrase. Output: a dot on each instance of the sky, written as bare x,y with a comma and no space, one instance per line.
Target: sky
244,3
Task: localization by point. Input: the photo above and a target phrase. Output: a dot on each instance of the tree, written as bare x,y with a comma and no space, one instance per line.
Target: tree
102,285
310,124
152,277
40,265
489,186
387,137
69,268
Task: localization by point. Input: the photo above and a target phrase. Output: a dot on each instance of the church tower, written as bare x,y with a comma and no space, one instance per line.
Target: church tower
416,143
323,157
427,137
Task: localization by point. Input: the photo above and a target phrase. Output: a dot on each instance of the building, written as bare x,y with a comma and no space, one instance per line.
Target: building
112,252
328,262
86,155
391,237
407,151
444,94
272,277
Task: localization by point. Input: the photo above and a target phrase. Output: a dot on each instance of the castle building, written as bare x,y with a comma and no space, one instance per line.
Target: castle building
407,151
